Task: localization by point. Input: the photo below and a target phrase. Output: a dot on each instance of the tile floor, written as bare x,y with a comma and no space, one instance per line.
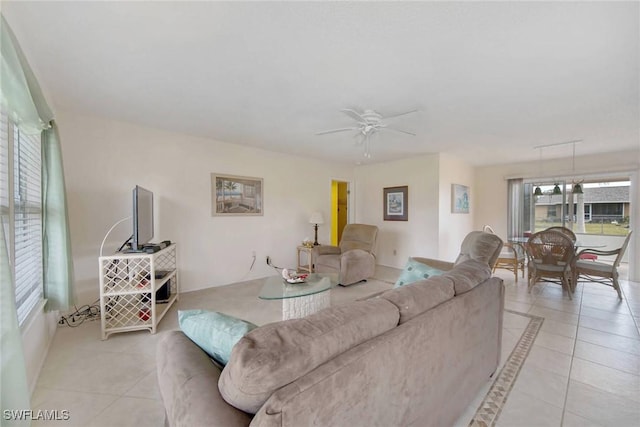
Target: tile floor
583,369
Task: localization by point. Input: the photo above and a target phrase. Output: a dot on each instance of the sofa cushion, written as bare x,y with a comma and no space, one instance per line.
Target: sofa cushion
215,333
468,274
276,354
420,296
414,271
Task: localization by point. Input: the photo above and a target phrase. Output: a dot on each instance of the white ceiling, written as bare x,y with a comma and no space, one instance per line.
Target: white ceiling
491,79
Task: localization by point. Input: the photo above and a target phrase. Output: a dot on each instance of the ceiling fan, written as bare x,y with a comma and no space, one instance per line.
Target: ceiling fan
369,123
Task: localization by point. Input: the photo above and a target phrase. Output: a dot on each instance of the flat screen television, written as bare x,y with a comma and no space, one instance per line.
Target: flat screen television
142,218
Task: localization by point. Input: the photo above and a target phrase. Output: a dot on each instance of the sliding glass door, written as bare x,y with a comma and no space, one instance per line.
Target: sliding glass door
603,207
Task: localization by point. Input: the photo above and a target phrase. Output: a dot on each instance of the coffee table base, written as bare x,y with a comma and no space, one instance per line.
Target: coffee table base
295,308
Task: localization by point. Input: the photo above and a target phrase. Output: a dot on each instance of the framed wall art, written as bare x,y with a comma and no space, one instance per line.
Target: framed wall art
233,195
459,198
396,203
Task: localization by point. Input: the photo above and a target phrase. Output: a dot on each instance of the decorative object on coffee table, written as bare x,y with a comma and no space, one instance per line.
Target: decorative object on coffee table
396,203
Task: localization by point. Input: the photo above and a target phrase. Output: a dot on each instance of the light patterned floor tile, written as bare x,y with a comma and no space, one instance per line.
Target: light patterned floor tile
130,412
558,316
572,307
606,315
549,360
526,411
542,384
555,342
560,328
615,359
572,420
605,339
613,327
601,407
606,379
82,407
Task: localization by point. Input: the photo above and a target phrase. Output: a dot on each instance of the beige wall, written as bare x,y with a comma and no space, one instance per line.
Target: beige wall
453,227
105,159
432,230
419,235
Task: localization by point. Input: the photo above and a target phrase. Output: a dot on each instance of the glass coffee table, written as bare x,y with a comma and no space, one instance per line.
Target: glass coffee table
300,299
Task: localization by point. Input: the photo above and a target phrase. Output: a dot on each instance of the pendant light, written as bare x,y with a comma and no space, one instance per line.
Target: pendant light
577,188
556,190
538,190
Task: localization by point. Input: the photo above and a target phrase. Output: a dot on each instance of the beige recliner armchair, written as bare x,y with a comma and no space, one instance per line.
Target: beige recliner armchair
477,245
353,259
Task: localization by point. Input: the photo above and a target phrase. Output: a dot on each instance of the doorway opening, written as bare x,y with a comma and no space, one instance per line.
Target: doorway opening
339,209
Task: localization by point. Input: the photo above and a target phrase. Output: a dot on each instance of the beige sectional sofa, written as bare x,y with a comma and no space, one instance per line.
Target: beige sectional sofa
413,356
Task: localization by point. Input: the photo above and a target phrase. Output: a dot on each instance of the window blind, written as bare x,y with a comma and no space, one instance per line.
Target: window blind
4,170
21,205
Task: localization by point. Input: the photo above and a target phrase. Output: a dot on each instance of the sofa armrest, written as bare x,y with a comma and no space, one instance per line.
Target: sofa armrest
326,250
435,263
188,384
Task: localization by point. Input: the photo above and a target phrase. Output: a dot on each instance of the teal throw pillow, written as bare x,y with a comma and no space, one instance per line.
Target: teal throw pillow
214,332
415,271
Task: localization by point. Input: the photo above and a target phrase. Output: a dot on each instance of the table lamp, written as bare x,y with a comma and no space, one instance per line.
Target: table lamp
316,218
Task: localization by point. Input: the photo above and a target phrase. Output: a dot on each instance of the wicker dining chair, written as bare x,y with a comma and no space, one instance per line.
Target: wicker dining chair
600,272
550,254
512,256
564,230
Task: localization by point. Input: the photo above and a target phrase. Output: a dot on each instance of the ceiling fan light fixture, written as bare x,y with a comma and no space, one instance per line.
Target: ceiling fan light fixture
368,124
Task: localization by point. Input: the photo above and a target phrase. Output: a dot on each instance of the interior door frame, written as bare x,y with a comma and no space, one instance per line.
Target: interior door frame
334,206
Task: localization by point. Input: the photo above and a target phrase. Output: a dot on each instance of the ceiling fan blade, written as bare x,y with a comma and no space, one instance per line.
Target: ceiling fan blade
336,130
399,130
401,114
354,115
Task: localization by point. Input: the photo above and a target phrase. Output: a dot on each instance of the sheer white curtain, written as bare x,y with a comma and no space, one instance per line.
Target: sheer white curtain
515,204
58,263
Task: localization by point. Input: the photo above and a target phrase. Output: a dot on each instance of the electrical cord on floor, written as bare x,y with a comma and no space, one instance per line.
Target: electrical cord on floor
272,265
86,312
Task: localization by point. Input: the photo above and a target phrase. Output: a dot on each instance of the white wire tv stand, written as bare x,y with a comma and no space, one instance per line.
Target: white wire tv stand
129,285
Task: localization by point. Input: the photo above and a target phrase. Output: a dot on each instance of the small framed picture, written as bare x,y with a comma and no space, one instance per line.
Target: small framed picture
233,195
396,203
459,198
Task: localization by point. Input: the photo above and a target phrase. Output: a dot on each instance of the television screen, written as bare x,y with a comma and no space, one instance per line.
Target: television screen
142,217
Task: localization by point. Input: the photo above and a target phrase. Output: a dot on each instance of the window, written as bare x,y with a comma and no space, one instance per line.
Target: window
21,208
605,204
